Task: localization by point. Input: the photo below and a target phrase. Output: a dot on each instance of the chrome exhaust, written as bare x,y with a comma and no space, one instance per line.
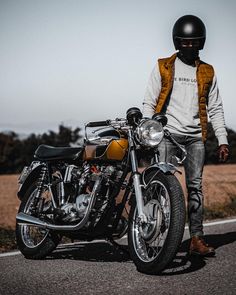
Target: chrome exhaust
23,219
26,219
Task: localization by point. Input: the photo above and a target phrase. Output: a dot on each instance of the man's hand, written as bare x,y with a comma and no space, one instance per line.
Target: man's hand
223,152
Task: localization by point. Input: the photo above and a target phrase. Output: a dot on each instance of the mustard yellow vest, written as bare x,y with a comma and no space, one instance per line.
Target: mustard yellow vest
205,74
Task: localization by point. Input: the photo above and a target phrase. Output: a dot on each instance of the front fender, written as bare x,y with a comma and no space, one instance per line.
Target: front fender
27,177
163,167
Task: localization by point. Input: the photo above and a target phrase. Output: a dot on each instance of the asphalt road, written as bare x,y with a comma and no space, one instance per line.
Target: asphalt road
98,268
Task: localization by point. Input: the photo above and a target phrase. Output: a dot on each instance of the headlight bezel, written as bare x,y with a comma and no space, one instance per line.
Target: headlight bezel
143,127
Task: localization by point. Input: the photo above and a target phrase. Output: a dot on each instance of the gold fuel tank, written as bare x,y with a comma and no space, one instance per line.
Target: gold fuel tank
115,150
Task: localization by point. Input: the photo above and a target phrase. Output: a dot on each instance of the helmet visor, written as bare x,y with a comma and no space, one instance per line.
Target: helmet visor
184,43
197,43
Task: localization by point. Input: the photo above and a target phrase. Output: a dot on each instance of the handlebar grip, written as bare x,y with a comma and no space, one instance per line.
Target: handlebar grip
98,123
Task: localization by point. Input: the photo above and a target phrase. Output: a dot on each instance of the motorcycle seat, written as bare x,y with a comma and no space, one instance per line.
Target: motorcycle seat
50,153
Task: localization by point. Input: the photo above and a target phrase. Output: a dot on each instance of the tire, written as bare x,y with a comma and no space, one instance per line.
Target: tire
25,234
154,245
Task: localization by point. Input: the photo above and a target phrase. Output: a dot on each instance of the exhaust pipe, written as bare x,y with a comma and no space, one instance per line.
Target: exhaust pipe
26,219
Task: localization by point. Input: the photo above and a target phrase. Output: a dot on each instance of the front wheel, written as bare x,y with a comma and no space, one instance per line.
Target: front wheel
153,245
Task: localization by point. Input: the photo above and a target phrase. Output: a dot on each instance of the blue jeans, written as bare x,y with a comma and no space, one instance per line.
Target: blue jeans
193,166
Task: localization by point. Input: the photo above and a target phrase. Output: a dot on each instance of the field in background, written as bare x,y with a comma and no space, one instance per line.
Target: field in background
219,187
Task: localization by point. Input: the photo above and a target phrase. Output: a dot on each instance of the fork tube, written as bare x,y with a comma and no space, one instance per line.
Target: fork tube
156,156
136,179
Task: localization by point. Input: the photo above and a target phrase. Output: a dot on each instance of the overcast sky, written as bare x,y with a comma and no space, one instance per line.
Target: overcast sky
73,61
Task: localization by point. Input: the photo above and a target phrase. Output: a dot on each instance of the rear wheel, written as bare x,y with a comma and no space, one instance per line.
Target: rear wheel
32,241
154,244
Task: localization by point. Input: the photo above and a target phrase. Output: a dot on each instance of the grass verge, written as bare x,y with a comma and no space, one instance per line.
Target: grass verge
221,210
7,239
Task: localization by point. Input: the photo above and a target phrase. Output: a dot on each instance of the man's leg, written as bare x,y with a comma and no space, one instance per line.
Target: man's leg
193,169
193,165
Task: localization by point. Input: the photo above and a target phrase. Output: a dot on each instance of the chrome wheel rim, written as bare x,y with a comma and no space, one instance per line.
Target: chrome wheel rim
149,239
32,236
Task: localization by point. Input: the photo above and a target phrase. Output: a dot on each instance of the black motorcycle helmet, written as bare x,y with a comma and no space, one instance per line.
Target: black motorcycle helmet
189,35
189,27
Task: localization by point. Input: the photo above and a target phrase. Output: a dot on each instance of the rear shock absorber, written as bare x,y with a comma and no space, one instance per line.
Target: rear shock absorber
40,185
41,179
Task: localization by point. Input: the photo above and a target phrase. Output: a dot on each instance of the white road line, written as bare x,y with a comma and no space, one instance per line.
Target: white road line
7,254
220,222
10,254
217,222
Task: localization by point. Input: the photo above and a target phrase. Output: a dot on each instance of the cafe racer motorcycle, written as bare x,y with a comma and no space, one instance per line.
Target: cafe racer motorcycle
97,191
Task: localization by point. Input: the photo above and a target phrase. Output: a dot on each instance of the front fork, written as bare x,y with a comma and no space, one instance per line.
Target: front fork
136,181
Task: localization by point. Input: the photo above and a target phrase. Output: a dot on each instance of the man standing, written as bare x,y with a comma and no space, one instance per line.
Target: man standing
185,89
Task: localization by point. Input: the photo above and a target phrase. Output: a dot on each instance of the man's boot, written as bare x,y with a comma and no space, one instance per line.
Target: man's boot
199,247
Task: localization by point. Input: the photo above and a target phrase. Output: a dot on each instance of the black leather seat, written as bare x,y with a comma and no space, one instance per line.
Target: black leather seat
50,153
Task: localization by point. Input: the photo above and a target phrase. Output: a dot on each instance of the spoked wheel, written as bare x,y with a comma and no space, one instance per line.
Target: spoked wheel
32,241
154,244
149,238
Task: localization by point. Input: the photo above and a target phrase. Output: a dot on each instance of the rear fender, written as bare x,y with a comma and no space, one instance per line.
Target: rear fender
27,177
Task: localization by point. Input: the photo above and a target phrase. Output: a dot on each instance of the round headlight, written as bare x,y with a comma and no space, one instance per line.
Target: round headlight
149,133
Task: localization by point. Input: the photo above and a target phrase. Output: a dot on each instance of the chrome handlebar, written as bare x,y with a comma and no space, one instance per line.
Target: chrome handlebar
118,123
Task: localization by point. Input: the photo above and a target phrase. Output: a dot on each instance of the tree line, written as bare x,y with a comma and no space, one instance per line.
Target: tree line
15,153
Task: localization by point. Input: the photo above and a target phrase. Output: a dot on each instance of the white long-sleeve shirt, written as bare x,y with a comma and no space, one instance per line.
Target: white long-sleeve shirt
182,110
